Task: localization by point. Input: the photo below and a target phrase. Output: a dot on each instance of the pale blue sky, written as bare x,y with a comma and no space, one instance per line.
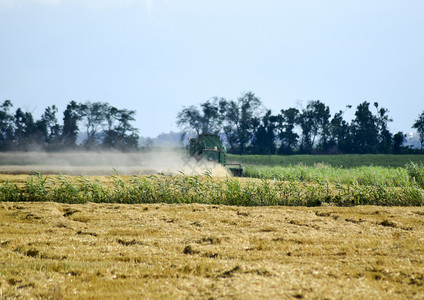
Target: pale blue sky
156,56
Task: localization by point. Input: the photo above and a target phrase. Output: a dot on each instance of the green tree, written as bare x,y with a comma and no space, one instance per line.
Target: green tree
27,133
264,134
314,122
419,126
339,134
364,130
207,119
110,138
399,139
127,133
385,138
286,124
321,124
239,121
6,125
120,134
190,119
94,117
50,127
71,116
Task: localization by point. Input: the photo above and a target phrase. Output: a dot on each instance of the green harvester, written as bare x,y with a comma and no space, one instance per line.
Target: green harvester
209,147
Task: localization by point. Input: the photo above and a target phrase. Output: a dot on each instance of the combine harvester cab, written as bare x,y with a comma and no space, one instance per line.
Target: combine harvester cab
209,147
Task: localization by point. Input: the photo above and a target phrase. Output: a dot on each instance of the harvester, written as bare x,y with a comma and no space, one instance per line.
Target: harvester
209,147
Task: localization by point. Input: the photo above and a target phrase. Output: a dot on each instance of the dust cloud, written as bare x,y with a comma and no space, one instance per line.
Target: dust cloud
107,163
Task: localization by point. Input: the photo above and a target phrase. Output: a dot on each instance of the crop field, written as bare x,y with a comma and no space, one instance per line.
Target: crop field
339,161
290,231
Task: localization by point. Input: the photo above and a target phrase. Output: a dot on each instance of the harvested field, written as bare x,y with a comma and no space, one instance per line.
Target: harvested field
54,250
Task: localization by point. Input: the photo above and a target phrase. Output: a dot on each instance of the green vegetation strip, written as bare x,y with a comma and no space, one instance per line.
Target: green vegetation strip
208,190
340,161
321,173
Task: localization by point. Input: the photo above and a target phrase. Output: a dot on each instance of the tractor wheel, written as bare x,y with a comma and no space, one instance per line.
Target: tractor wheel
198,155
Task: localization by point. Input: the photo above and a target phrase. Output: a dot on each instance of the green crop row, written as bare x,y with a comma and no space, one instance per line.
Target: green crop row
340,160
208,190
368,176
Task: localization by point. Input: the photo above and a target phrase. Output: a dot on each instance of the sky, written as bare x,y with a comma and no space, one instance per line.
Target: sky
158,56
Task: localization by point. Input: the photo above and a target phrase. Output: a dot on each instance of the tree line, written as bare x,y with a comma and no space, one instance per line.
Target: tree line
245,124
104,127
250,128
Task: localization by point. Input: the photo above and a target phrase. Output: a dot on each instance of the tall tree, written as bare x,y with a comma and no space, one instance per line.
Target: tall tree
212,115
305,121
286,124
321,123
365,130
70,131
240,119
419,126
207,119
26,131
127,133
110,136
314,122
399,139
190,119
385,138
94,116
340,139
50,127
264,134
6,125
120,134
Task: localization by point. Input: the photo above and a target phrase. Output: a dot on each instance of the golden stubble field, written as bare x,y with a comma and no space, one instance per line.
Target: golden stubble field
62,251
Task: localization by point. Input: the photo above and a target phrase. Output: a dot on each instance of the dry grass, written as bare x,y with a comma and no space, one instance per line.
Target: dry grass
52,250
